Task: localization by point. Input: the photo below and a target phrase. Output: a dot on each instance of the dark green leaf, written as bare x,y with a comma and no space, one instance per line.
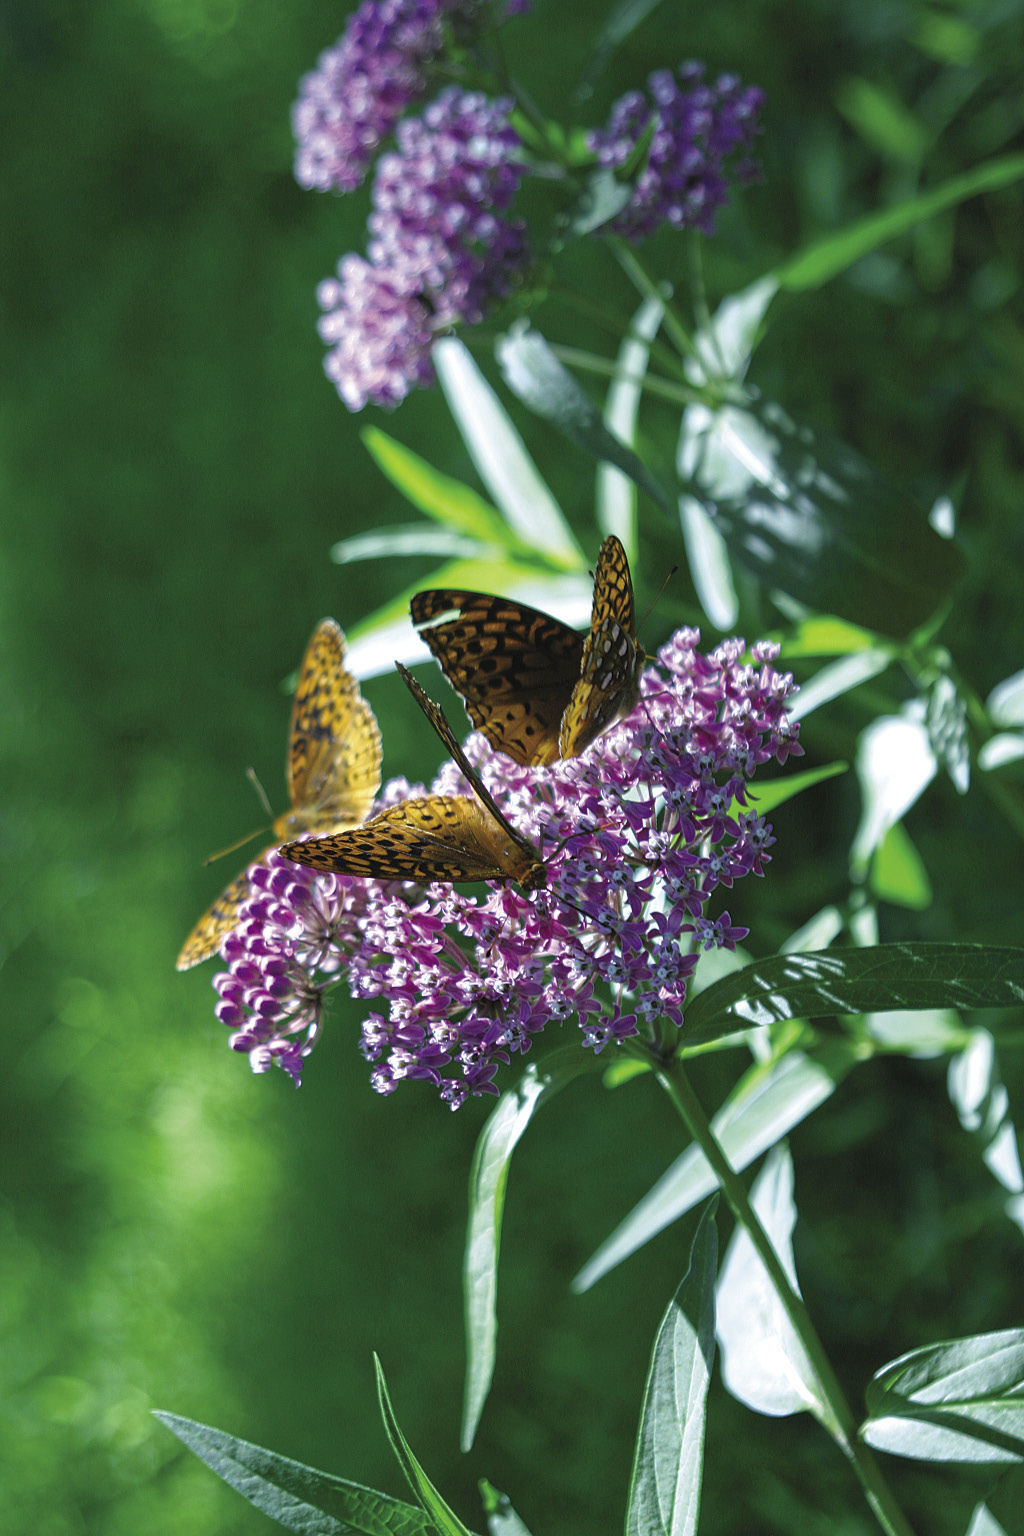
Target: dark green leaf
487,1180
837,981
956,1401
442,1518
297,1497
668,1463
807,515
623,19
534,374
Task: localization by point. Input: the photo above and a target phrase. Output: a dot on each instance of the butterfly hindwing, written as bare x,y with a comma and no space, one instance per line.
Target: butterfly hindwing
536,689
333,772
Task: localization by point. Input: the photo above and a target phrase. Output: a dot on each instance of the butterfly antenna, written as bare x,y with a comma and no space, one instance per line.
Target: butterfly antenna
253,778
657,597
213,857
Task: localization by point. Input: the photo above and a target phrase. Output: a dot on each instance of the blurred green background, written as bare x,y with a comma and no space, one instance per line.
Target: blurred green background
179,1234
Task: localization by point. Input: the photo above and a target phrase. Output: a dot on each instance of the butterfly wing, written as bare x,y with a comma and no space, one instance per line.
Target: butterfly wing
217,921
334,745
436,837
613,658
514,666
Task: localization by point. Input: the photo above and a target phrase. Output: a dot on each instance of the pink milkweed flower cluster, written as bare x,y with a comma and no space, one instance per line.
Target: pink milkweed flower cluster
638,833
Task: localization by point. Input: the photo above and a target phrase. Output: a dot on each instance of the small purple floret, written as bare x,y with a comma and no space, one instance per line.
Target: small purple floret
638,834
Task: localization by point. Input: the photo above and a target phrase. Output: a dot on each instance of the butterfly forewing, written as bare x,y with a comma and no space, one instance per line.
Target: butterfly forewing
613,658
435,837
333,772
514,666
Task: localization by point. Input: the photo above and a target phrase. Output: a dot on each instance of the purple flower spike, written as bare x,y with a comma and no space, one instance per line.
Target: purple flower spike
698,129
442,251
638,834
381,65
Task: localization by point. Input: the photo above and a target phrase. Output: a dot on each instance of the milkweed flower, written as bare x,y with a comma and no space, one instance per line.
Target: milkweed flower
380,65
637,834
443,250
702,137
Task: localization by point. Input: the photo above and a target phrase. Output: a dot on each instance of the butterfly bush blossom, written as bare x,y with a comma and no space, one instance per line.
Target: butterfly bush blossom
698,128
638,834
442,248
380,65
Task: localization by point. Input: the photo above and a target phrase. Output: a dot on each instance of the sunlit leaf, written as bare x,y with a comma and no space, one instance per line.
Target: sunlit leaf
297,1497
1005,704
763,1362
766,798
895,764
836,252
983,1107
707,557
961,1401
443,1519
808,516
838,678
409,539
449,501
668,1463
501,459
604,193
841,981
946,723
502,1519
488,1175
764,1106
882,119
536,377
615,505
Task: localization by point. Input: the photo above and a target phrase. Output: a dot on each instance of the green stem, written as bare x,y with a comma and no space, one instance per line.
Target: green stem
648,288
840,1422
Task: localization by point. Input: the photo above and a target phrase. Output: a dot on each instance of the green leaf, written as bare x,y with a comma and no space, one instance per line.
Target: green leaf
536,377
604,193
409,539
898,873
297,1497
1005,704
447,500
841,981
615,504
961,1401
487,1179
820,263
767,1102
839,677
882,119
443,1519
768,797
502,1519
623,19
664,1494
822,634
983,1107
946,722
808,516
895,765
764,1364
501,459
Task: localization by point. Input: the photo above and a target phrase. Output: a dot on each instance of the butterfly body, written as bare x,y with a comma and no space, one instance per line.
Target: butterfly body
333,773
431,837
535,688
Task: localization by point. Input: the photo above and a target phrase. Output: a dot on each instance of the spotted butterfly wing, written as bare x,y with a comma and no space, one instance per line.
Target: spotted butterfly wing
333,772
609,682
535,688
433,837
514,666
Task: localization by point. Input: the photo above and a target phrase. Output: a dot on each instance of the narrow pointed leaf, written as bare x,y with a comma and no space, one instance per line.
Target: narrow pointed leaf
501,459
959,1401
535,376
443,1519
764,1106
488,1177
840,981
410,539
623,19
763,1361
664,1495
449,501
615,504
984,1523
836,252
297,1497
895,765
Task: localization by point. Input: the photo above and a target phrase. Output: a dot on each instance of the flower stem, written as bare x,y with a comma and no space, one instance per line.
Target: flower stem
648,288
839,1420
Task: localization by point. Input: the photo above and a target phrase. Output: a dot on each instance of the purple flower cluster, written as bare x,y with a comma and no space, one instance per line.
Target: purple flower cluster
442,249
697,129
638,834
349,104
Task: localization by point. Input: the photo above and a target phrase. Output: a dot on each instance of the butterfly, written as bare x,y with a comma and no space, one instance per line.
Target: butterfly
333,772
433,837
538,690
